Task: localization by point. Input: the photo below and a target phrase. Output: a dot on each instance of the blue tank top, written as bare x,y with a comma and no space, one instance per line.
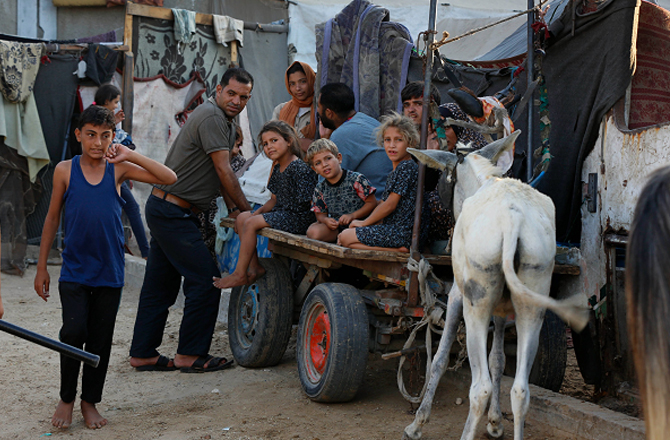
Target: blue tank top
93,254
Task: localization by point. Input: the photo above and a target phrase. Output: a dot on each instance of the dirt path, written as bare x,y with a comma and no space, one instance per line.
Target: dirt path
238,403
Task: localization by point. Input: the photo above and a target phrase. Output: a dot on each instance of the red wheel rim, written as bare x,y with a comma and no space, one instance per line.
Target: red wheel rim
317,341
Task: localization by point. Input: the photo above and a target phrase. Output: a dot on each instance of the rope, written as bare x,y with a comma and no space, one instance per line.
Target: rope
432,317
444,41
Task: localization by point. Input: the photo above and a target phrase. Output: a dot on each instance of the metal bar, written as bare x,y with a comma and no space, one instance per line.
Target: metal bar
414,250
65,349
529,80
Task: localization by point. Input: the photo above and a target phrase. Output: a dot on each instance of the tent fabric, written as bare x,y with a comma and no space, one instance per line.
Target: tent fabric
261,50
156,103
19,63
17,200
474,46
588,73
56,95
650,88
156,53
516,43
455,17
20,124
366,52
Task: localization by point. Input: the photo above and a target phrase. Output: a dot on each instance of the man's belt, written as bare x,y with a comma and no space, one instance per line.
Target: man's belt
174,199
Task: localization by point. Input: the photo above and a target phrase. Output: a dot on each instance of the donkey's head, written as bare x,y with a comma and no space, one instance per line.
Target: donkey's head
464,172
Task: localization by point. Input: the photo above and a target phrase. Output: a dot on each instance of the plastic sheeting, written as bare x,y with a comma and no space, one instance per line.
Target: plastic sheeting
457,17
265,56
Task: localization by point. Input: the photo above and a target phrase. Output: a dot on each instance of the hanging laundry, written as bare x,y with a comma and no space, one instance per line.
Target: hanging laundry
19,63
228,29
184,27
100,63
107,37
56,93
20,124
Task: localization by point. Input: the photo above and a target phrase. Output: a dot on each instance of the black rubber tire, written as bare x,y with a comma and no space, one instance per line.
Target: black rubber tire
331,368
260,317
552,354
551,358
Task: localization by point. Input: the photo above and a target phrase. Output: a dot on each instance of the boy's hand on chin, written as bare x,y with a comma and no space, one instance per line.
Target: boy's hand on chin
117,153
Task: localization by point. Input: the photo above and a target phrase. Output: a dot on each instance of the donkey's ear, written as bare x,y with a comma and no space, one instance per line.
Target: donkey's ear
493,150
438,159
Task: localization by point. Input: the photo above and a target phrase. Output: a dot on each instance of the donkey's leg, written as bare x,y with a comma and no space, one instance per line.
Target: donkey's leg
528,320
497,366
528,333
477,319
440,362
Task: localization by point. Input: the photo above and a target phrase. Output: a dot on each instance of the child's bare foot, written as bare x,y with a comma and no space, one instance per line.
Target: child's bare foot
253,275
232,280
63,416
92,417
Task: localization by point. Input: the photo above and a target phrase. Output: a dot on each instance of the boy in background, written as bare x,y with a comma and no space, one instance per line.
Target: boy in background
342,195
88,187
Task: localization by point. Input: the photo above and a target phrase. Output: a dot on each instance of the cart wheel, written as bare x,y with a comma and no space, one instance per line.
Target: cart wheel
551,358
260,317
332,343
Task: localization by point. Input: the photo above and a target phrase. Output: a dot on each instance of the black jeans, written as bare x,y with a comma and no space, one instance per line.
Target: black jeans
177,250
89,315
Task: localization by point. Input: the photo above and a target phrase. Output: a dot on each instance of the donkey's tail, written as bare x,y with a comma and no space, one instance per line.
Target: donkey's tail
572,310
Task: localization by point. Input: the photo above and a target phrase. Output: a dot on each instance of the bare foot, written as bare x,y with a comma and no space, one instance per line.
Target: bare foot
92,417
231,280
253,275
63,416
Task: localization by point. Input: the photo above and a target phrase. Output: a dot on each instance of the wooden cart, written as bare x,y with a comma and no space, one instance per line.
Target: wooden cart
347,303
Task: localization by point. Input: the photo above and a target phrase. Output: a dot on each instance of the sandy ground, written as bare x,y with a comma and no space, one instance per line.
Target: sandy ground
238,403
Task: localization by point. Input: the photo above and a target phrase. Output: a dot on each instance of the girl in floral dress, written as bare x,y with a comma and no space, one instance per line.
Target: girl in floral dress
389,227
292,184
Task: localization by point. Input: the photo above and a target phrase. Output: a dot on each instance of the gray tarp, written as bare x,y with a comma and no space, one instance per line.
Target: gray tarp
265,56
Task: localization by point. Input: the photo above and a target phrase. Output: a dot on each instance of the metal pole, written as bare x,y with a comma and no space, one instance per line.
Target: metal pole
65,349
529,81
414,251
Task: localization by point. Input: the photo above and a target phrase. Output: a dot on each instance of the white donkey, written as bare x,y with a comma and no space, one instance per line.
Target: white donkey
504,235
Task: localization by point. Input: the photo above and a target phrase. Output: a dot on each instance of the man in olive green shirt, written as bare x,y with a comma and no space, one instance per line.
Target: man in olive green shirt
200,158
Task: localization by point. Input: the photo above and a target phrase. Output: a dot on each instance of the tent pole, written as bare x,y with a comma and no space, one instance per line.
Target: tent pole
530,63
429,38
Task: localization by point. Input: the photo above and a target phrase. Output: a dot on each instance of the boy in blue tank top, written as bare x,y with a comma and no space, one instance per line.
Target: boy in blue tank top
88,187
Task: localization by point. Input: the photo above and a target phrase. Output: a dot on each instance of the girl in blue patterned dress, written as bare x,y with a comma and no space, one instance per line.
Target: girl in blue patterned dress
389,227
292,184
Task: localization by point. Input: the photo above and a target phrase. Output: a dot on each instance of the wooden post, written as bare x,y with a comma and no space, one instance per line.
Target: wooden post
128,28
128,90
233,54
